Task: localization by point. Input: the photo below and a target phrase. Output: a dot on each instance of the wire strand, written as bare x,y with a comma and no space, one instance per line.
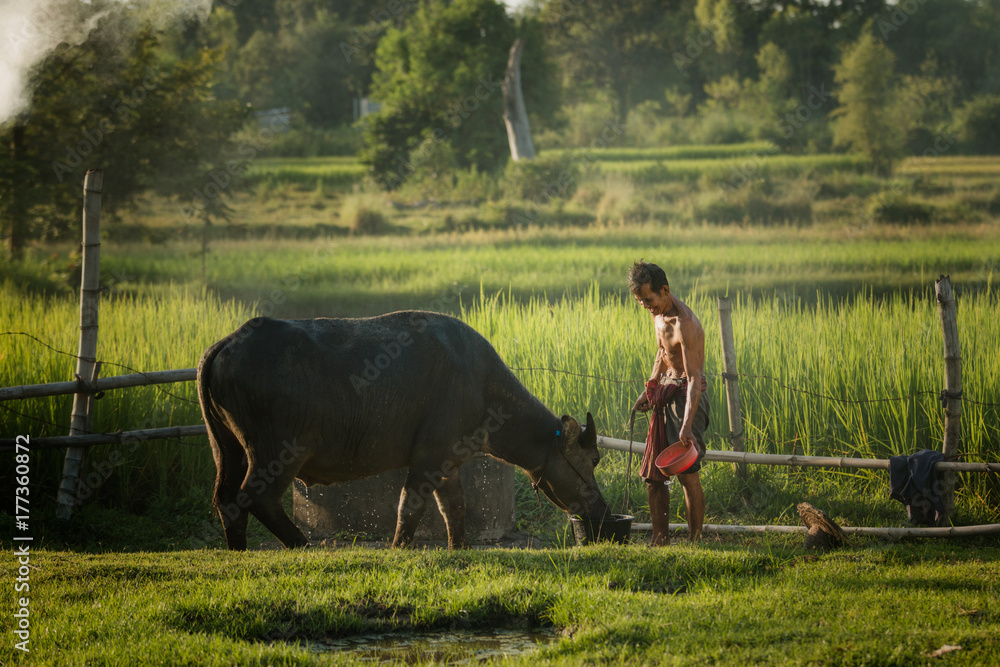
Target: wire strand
849,401
37,419
107,363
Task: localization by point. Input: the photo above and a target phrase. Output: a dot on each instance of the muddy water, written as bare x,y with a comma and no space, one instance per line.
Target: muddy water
447,647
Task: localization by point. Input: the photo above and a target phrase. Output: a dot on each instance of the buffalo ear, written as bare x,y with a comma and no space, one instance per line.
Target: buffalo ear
588,439
570,429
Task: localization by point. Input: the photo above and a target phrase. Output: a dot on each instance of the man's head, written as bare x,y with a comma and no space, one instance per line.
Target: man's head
649,286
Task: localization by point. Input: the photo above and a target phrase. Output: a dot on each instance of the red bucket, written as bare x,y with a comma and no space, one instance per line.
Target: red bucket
676,458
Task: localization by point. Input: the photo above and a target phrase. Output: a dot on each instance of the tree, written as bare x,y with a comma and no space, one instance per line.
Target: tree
868,119
298,65
979,125
926,100
719,18
439,79
150,124
622,47
962,35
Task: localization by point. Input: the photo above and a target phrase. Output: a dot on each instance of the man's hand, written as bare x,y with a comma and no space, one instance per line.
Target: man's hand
688,439
642,403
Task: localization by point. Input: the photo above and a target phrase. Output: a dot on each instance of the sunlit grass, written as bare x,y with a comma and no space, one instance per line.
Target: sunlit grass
951,166
679,152
736,170
600,344
852,355
331,171
165,330
758,601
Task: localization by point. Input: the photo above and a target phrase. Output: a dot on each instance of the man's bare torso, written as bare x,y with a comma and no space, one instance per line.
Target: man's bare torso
668,338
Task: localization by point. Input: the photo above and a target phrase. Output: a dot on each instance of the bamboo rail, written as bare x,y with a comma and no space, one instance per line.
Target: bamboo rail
638,447
92,439
984,529
102,384
607,442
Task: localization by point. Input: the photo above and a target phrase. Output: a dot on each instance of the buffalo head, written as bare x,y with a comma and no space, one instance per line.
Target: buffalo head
567,476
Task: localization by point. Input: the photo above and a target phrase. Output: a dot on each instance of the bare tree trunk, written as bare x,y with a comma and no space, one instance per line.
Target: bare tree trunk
515,115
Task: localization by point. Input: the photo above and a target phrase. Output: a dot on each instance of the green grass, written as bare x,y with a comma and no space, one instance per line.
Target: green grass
747,601
840,309
646,165
850,349
688,152
952,166
815,301
330,171
357,276
724,186
736,170
858,351
165,330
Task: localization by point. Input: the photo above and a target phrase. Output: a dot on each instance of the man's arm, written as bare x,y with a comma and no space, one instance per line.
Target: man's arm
693,351
659,368
659,365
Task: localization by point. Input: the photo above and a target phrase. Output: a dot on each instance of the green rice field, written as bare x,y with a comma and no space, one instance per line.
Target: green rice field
643,165
858,346
839,348
825,312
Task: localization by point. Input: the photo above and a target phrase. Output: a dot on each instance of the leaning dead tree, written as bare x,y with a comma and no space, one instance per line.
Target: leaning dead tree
515,115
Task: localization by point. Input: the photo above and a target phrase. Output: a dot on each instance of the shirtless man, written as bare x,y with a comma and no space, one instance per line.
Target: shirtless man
680,359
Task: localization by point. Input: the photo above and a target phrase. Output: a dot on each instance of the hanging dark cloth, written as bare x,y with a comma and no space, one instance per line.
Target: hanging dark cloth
915,482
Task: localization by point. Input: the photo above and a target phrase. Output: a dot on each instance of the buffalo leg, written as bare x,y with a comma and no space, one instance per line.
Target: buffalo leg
231,465
265,505
451,501
417,492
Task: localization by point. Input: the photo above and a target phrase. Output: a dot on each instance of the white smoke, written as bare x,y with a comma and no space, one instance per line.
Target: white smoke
31,29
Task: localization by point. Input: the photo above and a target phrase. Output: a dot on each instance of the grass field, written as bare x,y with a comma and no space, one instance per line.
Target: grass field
755,601
831,274
332,172
855,348
726,188
363,275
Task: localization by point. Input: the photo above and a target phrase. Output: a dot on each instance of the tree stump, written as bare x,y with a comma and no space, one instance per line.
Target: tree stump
824,533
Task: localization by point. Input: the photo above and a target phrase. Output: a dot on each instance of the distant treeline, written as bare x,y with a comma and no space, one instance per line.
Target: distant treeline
180,110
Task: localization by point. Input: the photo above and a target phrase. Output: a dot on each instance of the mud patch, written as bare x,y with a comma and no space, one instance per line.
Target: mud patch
451,647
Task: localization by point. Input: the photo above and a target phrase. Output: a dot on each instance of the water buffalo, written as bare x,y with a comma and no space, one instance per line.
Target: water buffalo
331,400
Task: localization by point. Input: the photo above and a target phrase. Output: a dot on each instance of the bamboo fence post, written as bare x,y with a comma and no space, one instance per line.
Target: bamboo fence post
86,362
732,386
951,397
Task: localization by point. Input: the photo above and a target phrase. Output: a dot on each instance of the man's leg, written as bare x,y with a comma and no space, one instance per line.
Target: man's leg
694,503
659,512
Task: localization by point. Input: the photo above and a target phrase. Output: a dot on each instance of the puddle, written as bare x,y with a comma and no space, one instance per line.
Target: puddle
446,647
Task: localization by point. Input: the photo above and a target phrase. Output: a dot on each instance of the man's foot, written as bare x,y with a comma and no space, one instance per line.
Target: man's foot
659,512
660,541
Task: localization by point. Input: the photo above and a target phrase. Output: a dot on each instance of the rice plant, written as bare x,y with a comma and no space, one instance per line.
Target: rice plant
815,372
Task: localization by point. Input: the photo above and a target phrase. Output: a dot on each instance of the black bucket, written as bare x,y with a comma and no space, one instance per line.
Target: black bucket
615,528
